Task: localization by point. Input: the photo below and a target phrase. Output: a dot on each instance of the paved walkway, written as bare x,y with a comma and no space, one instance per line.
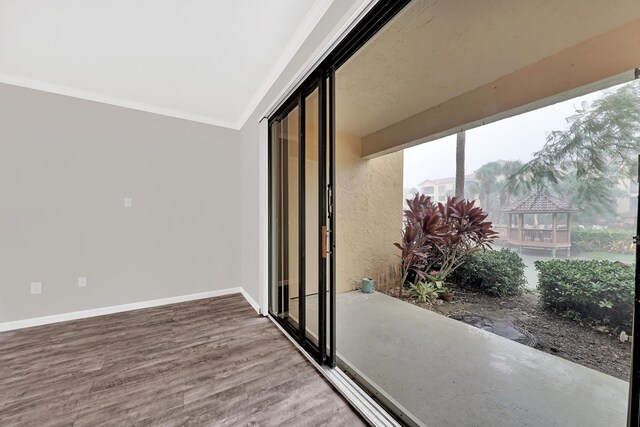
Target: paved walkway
450,374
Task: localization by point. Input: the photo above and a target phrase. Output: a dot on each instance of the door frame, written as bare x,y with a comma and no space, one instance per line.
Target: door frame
322,78
324,74
633,414
298,100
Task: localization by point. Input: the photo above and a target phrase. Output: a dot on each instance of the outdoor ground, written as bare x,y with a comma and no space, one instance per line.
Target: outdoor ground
596,348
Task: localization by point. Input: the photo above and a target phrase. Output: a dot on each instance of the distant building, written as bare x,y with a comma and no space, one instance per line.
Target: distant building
627,202
438,189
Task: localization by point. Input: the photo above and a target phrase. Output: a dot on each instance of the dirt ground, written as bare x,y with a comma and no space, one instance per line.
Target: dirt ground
595,347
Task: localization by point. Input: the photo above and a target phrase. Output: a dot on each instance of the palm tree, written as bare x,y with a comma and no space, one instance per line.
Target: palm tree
509,167
487,176
460,151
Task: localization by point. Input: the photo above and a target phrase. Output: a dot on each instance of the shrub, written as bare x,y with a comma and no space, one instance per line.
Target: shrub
496,273
600,291
424,292
592,239
414,254
438,236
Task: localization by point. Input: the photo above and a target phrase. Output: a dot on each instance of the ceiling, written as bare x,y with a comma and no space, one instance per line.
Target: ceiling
209,61
436,50
212,61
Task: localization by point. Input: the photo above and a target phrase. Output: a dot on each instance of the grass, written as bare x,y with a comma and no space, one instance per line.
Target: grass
608,256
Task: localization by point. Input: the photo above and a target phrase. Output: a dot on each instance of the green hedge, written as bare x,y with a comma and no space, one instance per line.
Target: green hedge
591,239
600,291
497,273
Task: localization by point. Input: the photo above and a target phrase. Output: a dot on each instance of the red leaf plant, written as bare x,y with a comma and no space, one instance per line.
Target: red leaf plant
438,236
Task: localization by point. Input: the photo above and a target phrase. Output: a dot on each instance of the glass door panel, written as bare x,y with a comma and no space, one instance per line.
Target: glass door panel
312,222
276,288
285,218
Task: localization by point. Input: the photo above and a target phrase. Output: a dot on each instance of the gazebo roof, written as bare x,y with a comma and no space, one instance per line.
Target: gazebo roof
541,202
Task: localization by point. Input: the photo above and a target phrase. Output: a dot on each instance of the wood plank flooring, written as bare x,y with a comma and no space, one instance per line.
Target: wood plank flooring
206,362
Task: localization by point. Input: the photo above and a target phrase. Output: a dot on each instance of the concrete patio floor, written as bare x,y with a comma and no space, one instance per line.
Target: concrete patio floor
447,373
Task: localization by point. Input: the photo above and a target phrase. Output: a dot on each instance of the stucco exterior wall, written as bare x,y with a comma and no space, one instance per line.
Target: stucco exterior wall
368,212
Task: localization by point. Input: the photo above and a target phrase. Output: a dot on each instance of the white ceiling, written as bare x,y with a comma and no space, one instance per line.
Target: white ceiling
209,61
436,50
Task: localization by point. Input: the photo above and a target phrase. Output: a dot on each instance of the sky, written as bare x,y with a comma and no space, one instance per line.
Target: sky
515,138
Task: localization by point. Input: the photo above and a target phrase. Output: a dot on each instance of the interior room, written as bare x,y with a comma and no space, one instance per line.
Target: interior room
258,213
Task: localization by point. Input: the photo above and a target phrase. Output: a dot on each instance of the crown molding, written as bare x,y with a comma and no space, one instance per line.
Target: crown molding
106,99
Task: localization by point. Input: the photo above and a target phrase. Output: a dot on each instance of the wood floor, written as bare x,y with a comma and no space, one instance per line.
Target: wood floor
207,362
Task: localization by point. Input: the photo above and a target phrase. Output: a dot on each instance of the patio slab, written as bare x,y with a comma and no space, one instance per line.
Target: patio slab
447,373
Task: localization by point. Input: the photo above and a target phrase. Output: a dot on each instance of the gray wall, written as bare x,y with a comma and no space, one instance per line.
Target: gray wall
65,167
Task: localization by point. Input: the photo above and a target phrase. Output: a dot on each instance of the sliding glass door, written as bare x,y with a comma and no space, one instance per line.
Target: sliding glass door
298,218
336,148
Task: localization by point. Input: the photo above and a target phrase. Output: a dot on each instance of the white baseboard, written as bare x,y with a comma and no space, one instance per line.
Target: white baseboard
251,301
37,321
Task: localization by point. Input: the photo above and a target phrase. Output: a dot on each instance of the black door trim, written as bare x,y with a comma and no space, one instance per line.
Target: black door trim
633,418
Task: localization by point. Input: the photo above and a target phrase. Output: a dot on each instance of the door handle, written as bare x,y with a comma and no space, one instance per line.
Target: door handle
324,232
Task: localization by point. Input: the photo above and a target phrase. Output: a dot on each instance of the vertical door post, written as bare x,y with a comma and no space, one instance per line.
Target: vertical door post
633,418
302,272
332,216
322,220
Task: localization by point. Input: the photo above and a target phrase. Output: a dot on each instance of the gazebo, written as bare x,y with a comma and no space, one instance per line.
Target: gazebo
540,221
